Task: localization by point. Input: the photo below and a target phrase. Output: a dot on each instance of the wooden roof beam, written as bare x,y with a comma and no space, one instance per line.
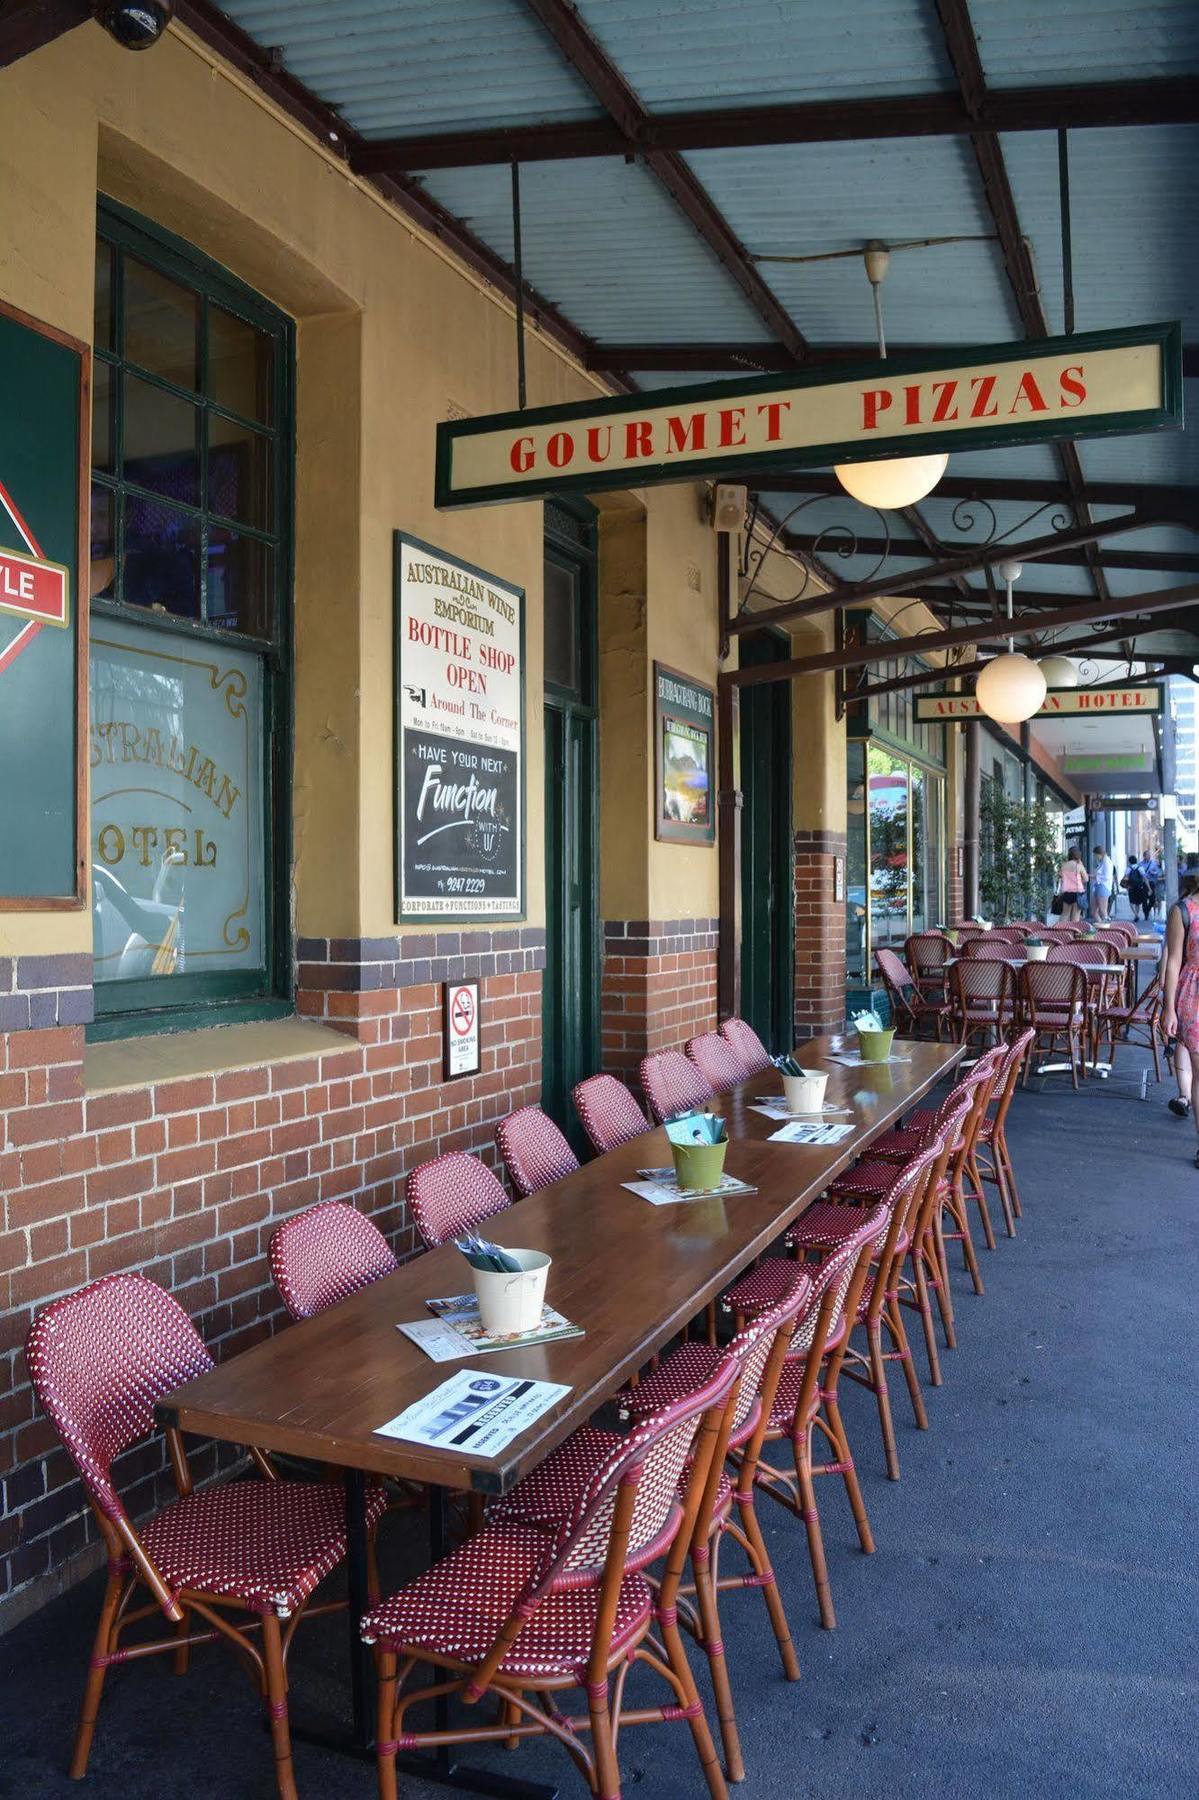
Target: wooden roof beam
28,25
1094,106
756,359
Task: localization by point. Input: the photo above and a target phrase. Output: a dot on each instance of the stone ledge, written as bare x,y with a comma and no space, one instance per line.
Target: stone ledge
167,1056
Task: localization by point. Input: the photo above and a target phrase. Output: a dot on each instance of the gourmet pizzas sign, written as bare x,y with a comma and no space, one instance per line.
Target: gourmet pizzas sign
459,738
962,399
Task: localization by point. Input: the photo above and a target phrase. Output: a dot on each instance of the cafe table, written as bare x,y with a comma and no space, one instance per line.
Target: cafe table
633,1275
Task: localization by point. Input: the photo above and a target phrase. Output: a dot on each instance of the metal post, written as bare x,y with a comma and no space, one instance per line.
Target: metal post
728,825
518,279
1063,188
970,820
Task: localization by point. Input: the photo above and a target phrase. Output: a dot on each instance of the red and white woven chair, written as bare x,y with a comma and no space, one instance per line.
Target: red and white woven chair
1136,1024
991,1160
981,1000
672,1084
523,1614
452,1194
716,1061
242,1556
910,1009
746,1046
608,1112
535,1152
926,953
324,1255
1052,1001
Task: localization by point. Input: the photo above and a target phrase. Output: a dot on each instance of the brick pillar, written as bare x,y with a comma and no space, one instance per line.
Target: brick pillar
659,988
819,935
955,893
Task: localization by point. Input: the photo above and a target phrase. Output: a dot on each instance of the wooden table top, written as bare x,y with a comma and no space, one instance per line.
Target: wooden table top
629,1273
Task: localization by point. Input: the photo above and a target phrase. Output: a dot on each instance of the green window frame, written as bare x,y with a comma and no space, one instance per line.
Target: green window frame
252,534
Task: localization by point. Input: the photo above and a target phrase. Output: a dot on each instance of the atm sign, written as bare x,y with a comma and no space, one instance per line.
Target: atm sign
33,589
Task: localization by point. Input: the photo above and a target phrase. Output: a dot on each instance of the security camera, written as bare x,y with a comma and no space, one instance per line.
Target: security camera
135,24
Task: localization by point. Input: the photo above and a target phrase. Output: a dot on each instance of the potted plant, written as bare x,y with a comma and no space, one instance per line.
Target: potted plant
1036,947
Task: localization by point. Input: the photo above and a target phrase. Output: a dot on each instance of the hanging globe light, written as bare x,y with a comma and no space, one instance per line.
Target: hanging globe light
894,481
1012,687
1059,672
900,481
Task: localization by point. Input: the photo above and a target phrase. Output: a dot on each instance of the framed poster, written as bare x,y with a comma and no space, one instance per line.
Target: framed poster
460,1030
459,738
44,377
684,758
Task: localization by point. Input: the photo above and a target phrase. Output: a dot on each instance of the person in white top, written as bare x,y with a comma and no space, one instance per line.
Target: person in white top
1103,880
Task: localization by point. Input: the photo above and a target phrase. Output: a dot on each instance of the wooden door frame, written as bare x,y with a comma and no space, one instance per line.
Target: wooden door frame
782,966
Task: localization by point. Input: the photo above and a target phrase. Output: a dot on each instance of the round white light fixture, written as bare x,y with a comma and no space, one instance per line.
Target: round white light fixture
1059,672
901,481
1010,689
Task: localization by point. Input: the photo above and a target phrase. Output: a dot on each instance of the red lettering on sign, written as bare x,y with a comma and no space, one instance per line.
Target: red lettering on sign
941,411
1071,382
911,398
686,434
594,453
560,449
984,386
732,423
874,401
521,455
638,439
1030,392
774,410
32,589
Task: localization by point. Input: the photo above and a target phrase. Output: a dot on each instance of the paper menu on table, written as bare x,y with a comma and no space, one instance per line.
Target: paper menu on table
473,1412
778,1109
661,1188
799,1133
458,1331
853,1059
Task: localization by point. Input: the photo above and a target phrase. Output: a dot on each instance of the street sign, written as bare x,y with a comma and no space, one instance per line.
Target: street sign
954,399
959,709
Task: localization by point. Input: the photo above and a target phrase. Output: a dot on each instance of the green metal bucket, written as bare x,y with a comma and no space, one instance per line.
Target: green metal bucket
875,1046
699,1165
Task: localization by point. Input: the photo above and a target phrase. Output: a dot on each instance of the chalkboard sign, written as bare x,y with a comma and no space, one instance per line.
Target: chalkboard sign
43,617
459,727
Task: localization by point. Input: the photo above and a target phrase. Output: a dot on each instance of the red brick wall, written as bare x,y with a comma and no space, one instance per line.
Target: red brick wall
658,987
186,1180
819,935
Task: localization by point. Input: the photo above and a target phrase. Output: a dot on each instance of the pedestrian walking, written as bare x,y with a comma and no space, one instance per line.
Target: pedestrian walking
1103,880
1071,886
1180,1007
1140,893
1155,876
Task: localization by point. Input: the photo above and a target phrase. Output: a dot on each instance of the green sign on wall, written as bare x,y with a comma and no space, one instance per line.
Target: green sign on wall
43,625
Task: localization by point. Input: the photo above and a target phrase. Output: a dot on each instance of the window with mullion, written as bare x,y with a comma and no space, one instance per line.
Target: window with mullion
190,663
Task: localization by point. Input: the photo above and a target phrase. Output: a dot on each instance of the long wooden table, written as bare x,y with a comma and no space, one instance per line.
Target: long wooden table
631,1274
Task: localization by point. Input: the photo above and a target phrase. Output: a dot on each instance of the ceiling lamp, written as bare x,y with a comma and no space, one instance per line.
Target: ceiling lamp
1011,688
1059,671
893,481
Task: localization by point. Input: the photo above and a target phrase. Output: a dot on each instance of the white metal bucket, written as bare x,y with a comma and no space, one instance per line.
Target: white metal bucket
805,1093
513,1301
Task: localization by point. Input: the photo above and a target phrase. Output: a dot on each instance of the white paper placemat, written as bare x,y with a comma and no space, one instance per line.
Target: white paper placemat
478,1413
799,1133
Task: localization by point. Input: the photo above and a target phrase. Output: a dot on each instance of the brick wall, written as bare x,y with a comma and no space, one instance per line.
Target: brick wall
186,1179
819,935
658,987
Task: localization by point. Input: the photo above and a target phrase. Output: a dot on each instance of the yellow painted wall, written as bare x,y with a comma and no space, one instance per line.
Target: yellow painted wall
392,336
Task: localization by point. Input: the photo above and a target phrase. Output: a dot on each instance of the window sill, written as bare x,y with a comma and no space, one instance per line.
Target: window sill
145,1061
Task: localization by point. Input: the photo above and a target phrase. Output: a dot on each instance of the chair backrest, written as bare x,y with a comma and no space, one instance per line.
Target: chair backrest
451,1194
897,978
1079,952
1005,1082
831,1280
672,1084
716,1061
324,1255
1009,934
100,1359
608,1112
534,1150
925,953
1052,987
980,982
746,1046
753,1343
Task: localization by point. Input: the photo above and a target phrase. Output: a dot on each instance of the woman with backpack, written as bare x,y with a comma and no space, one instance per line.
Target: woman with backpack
1180,983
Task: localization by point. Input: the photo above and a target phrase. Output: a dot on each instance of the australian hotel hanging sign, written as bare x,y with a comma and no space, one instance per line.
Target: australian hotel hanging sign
957,399
959,709
460,795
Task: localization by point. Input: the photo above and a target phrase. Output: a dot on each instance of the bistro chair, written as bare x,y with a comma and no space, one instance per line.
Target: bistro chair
673,1084
981,998
608,1112
746,1046
452,1194
244,1557
523,1614
1052,1002
991,1158
535,1152
716,1061
926,953
1120,1023
910,1009
324,1255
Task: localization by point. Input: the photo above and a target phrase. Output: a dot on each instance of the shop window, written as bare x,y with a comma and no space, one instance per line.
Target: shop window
896,851
190,635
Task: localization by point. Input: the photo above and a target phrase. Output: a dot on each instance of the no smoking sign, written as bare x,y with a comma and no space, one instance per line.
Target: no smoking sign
461,1031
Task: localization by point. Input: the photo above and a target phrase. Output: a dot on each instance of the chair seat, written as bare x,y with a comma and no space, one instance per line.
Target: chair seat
547,1494
1054,1018
901,1144
824,1226
869,1180
267,1544
457,1608
684,1370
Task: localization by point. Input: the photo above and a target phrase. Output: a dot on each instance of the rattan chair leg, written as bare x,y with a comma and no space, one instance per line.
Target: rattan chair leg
385,1749
882,1395
701,1732
182,1656
713,1647
810,1514
924,1307
944,1291
607,1769
849,1474
893,1316
276,1689
980,1198
97,1670
1009,1174
763,1568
